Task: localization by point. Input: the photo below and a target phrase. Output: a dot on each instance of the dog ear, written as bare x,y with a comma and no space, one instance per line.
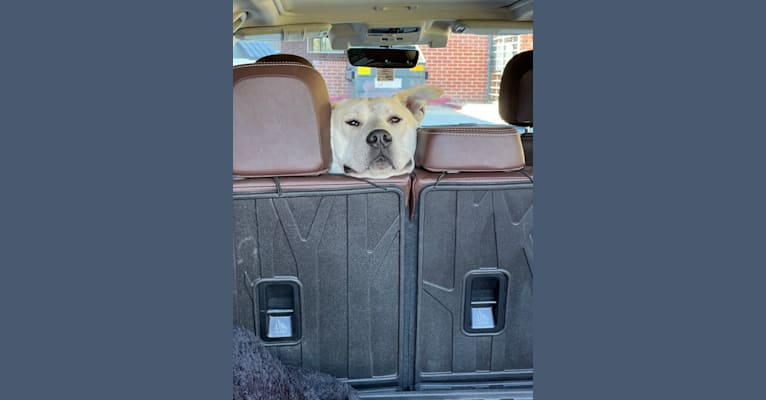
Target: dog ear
415,99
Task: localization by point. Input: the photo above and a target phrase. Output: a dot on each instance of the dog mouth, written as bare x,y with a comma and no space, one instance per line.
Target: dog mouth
380,163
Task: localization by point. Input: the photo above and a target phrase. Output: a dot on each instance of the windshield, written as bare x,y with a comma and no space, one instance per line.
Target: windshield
468,69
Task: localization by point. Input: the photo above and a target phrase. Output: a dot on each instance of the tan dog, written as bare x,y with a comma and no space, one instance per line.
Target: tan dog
375,137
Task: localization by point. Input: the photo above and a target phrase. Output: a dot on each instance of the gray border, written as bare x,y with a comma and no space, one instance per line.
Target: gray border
649,200
640,109
115,219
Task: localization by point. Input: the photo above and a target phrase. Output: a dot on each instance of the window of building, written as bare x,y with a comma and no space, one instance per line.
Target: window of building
505,47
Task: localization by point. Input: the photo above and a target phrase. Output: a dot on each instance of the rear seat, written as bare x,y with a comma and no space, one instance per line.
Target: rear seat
473,197
318,259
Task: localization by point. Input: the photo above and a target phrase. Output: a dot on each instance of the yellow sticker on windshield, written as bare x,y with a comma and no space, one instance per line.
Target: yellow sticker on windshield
364,70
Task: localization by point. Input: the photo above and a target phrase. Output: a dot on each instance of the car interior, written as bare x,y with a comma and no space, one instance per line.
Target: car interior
417,286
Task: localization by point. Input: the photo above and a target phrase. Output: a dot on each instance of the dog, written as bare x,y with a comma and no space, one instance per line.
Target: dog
375,137
258,375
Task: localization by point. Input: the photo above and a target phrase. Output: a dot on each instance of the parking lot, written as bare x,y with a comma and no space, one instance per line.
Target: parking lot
478,114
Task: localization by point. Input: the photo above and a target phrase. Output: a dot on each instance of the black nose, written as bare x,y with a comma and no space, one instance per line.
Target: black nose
379,138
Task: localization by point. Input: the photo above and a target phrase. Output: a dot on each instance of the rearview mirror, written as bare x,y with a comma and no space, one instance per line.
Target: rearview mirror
382,58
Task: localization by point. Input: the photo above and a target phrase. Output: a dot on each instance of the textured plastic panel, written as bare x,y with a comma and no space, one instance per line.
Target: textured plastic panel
466,228
346,250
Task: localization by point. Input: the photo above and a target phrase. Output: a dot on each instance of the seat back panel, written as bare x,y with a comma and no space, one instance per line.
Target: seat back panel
466,228
345,248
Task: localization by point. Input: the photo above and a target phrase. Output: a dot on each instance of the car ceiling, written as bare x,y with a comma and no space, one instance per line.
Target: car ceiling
264,13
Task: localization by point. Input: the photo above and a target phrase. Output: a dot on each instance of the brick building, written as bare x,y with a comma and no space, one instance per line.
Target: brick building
468,69
504,47
461,68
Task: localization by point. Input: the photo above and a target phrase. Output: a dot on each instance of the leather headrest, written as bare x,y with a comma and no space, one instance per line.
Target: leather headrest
469,149
284,58
281,121
515,100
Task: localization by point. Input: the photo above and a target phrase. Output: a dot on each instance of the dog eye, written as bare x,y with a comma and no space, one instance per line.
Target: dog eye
395,120
353,122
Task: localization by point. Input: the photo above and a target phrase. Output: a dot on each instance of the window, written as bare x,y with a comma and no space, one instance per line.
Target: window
321,45
247,51
468,70
504,48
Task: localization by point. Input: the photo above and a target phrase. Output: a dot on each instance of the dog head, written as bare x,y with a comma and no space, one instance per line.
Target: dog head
376,137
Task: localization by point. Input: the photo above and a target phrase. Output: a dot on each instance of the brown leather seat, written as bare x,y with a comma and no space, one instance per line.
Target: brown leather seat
515,99
469,149
319,255
281,121
468,155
